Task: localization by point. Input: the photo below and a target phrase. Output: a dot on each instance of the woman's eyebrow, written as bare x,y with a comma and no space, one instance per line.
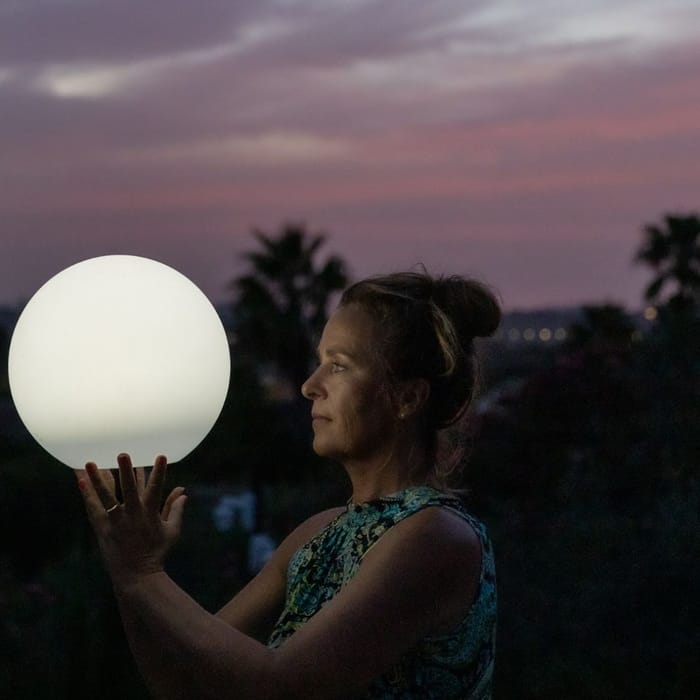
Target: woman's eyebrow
334,352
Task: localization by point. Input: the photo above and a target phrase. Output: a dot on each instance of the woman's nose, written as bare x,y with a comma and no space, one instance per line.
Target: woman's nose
311,388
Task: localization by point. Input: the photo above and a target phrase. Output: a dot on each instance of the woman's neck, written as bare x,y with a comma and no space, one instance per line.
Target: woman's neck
387,474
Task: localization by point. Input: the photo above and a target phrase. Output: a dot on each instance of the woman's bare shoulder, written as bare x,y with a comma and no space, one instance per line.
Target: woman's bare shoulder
437,533
438,552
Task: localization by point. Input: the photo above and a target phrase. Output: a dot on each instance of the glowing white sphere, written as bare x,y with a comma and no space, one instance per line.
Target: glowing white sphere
118,354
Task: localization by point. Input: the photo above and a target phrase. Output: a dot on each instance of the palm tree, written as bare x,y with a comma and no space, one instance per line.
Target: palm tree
673,252
671,360
282,303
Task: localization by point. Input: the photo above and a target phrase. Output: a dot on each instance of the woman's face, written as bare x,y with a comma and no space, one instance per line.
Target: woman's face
353,416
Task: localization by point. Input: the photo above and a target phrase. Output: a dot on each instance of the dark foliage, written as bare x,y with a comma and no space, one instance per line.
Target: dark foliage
586,470
282,304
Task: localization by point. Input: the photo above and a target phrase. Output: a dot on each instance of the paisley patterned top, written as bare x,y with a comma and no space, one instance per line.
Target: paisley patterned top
452,666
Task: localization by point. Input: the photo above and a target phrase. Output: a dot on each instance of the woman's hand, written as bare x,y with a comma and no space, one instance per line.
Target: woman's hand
134,536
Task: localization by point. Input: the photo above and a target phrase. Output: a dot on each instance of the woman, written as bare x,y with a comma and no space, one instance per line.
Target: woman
391,596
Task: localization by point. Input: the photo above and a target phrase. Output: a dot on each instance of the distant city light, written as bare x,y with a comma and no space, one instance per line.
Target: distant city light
537,327
650,313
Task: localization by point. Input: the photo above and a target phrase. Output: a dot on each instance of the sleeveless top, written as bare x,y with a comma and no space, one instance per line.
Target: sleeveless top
454,666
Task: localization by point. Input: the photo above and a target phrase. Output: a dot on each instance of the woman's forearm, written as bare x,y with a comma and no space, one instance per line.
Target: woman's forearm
158,665
183,651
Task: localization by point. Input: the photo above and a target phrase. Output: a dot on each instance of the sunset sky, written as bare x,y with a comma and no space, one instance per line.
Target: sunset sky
526,143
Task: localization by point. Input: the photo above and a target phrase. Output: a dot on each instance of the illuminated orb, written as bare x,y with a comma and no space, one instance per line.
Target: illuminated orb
119,354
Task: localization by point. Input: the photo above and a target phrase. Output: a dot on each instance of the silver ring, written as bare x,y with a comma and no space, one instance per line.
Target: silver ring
114,507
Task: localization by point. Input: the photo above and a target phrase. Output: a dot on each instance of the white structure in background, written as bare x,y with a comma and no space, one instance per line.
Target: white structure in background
235,511
260,548
238,511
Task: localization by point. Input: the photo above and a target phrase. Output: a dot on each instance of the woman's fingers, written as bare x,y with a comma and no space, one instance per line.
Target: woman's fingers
98,491
154,489
108,478
174,495
127,479
101,487
136,490
134,537
140,480
175,512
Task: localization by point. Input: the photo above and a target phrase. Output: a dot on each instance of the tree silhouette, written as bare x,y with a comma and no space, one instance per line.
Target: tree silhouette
282,303
672,250
671,359
604,330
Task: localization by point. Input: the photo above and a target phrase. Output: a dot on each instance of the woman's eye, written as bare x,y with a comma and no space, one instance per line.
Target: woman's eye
335,367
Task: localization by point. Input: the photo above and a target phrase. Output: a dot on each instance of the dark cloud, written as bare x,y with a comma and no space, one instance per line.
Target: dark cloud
328,36
91,31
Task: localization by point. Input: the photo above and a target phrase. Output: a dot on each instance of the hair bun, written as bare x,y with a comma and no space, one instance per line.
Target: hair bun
472,306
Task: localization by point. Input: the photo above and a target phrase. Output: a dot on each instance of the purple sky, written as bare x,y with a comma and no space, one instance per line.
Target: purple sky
526,143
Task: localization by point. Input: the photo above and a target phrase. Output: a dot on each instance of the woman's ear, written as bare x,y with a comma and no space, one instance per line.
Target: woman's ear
413,395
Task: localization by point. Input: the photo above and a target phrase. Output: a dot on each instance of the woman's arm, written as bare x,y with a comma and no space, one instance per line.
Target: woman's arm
256,607
159,662
419,579
198,654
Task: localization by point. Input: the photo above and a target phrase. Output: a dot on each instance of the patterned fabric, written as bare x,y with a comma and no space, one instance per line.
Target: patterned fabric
453,666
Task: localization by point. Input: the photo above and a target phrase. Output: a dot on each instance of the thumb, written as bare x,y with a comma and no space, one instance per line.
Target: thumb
170,500
177,508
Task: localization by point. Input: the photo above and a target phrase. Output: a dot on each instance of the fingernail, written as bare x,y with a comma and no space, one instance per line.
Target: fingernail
81,484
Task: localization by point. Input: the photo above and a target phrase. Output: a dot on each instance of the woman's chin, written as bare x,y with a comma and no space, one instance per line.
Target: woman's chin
320,449
325,450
